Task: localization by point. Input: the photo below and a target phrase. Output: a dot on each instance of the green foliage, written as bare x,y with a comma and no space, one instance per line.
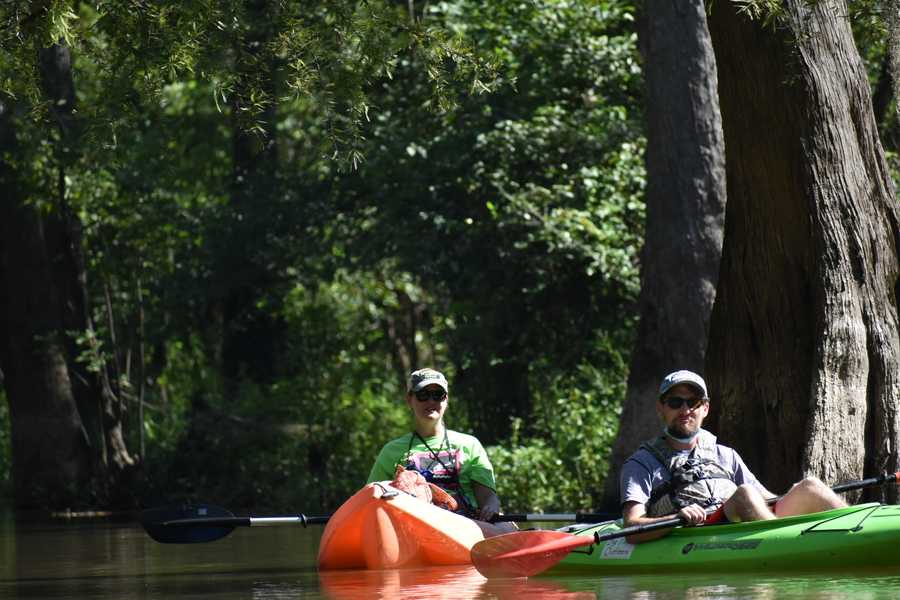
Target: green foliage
186,376
872,32
766,11
492,235
304,439
564,465
538,184
327,55
91,353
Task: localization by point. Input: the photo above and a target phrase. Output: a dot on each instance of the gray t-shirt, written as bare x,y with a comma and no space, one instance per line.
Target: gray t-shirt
642,473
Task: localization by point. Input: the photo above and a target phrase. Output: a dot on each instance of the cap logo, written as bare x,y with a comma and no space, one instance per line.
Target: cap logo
680,377
425,377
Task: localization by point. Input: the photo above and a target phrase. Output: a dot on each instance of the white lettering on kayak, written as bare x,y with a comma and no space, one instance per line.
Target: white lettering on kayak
617,548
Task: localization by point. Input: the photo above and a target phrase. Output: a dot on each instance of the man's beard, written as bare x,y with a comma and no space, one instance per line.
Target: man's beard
681,432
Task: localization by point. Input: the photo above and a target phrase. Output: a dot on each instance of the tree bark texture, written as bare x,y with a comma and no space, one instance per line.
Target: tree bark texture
685,212
803,355
891,74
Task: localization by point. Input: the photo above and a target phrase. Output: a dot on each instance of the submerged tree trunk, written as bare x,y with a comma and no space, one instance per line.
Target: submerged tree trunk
804,339
685,210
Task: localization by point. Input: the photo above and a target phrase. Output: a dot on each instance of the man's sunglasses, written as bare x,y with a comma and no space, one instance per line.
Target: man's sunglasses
426,395
676,402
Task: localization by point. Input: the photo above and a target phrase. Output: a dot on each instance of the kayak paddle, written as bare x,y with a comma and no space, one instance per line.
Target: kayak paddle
204,523
527,553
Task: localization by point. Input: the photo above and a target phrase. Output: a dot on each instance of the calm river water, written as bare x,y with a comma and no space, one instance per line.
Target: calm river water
102,561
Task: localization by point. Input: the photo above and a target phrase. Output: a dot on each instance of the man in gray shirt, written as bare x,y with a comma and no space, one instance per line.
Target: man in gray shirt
685,471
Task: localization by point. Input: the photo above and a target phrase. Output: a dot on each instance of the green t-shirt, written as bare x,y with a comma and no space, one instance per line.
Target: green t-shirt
465,453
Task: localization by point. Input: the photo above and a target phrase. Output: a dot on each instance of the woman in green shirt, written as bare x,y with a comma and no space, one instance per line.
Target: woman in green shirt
452,460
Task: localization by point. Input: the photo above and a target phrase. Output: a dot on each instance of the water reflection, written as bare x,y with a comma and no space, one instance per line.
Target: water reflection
439,583
860,585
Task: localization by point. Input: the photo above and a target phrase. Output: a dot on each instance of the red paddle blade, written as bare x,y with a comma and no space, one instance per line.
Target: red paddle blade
524,553
716,516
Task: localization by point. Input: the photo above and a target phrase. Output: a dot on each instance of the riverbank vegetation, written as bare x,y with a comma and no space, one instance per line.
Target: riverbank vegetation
232,229
266,263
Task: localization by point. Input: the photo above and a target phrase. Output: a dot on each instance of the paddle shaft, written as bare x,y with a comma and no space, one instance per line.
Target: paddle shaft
871,481
245,521
305,520
556,517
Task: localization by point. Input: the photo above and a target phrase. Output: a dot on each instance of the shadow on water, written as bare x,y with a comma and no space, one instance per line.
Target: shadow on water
101,560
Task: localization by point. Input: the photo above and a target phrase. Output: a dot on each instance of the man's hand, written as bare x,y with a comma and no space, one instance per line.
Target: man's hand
693,515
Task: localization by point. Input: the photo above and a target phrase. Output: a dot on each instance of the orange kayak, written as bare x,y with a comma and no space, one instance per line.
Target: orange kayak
380,527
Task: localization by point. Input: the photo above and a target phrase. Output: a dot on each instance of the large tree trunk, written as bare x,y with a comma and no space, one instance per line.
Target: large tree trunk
803,356
685,211
67,442
50,451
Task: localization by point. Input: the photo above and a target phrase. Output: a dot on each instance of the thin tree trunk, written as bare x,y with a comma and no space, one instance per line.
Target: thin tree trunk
141,367
248,339
685,211
804,344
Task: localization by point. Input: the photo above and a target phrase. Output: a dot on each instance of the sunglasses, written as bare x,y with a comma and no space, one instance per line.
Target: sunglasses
426,395
676,402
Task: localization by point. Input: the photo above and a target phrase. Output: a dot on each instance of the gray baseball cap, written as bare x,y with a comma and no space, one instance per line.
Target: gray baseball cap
425,377
679,377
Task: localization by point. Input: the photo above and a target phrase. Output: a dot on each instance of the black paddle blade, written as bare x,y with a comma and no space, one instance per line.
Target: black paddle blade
153,521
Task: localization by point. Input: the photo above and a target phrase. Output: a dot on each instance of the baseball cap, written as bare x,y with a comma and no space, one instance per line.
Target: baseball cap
679,377
425,377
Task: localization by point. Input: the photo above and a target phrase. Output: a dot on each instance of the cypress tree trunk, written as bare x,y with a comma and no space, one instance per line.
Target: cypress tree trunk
685,211
804,338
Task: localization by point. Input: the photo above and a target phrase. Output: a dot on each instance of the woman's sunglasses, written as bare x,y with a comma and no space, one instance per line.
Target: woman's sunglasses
676,402
426,395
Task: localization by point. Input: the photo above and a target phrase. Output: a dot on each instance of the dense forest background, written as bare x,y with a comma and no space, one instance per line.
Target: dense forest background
277,211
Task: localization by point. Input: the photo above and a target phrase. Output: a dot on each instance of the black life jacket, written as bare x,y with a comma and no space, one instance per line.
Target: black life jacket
697,477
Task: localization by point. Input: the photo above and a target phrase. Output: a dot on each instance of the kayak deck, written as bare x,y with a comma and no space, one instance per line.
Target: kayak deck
381,527
865,535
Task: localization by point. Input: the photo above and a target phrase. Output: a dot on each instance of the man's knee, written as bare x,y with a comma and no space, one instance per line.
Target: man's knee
746,496
747,504
811,484
747,492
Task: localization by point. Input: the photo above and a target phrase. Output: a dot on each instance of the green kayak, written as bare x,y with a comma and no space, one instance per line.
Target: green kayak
865,535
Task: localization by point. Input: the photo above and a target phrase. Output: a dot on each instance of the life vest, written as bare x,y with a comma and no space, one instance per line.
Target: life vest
440,467
696,476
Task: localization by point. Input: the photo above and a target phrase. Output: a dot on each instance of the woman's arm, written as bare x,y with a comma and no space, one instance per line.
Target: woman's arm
488,502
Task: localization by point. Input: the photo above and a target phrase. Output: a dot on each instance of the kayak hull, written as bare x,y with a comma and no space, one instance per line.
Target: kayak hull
862,536
381,527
